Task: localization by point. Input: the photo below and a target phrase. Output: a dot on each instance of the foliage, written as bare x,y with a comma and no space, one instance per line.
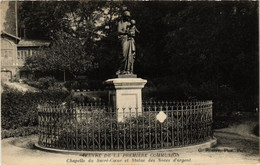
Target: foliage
83,85
225,98
76,85
71,29
21,131
20,109
99,120
200,50
44,19
45,83
42,83
92,127
80,98
229,119
67,54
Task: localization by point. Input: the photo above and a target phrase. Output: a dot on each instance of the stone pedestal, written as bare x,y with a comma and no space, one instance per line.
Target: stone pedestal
126,93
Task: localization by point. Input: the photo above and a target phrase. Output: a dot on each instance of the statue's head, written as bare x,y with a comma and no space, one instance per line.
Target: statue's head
132,21
126,15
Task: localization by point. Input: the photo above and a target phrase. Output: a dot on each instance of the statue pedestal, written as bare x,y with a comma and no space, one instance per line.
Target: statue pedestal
125,95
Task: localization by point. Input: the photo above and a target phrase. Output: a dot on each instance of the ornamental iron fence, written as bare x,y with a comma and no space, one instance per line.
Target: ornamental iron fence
94,127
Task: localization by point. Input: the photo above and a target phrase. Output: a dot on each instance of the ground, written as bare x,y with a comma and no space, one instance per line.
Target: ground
20,86
236,145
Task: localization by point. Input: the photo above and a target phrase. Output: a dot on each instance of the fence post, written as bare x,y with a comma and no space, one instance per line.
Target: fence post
118,147
87,115
178,126
99,141
104,126
111,127
182,135
93,130
137,124
162,140
76,123
130,128
144,129
167,119
155,108
81,126
124,128
173,138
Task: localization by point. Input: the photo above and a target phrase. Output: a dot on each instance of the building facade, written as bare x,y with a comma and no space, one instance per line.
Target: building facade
9,61
14,52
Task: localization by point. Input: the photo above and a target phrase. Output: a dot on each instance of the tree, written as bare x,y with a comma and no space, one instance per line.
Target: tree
186,48
71,28
66,54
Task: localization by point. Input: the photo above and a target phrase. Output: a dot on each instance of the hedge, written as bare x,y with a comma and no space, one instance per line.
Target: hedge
22,131
19,109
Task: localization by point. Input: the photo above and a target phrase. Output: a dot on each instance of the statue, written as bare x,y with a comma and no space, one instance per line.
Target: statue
126,34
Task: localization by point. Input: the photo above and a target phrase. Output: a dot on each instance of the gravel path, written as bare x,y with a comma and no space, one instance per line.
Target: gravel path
232,148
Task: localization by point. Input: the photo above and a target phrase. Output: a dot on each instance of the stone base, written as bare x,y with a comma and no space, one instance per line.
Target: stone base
126,76
125,95
188,149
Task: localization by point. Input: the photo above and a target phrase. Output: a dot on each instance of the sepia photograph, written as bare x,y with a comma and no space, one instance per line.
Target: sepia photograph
129,82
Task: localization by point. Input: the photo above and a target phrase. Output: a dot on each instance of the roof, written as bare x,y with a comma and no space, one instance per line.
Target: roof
5,34
33,43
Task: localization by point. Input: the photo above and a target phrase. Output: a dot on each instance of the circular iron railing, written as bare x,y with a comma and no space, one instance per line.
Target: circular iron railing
93,127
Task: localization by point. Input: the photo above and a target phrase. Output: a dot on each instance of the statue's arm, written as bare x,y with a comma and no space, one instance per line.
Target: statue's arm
137,30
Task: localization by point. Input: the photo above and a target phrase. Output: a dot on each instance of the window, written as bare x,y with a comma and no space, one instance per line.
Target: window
18,55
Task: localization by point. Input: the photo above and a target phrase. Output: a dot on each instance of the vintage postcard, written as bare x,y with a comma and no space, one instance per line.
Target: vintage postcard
129,82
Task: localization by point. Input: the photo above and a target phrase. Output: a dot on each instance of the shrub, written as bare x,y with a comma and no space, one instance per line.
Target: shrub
22,131
67,85
76,85
15,107
33,83
224,97
20,109
58,85
83,84
42,83
46,82
98,123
